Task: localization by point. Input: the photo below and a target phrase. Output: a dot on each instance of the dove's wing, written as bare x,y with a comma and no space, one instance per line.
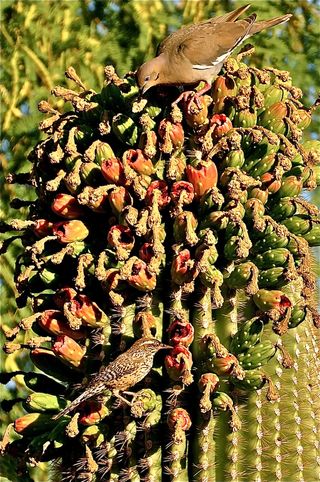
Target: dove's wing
185,31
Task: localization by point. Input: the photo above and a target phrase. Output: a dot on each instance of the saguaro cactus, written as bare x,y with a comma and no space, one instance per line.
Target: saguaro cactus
182,223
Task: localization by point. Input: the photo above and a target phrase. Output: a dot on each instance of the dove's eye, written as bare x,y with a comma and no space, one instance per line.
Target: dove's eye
147,78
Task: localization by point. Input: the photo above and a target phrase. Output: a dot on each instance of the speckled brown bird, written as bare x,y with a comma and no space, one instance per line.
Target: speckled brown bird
123,373
197,52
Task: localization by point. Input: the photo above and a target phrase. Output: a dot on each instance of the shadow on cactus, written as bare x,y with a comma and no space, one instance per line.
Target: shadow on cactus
182,224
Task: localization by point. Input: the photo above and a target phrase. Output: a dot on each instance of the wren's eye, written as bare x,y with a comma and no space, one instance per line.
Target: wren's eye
147,78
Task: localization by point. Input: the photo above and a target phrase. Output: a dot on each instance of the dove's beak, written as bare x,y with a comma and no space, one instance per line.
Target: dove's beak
144,88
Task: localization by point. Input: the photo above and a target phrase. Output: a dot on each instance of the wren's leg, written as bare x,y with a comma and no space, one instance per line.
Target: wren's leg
129,393
189,95
117,394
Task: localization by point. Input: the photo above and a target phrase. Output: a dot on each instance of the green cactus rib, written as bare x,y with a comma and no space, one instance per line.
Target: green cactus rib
226,321
184,223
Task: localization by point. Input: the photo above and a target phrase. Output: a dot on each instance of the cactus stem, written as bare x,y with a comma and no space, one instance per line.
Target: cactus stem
276,421
226,325
312,361
296,412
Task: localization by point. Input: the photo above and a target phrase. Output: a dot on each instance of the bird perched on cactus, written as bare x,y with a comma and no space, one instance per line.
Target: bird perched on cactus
197,52
124,372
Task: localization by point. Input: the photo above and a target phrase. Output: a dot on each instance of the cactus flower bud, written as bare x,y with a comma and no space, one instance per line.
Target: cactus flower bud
181,332
163,200
259,194
223,88
184,227
66,206
273,299
270,182
222,401
179,418
203,176
143,402
234,158
179,363
68,350
139,162
195,111
303,119
223,365
208,383
119,198
92,412
140,277
148,143
91,174
112,170
92,436
208,379
121,238
183,268
53,322
146,252
33,423
182,192
70,231
48,362
64,295
273,94
43,228
103,151
87,311
221,124
171,134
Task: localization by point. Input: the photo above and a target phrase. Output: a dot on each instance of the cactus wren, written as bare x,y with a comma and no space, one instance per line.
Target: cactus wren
124,372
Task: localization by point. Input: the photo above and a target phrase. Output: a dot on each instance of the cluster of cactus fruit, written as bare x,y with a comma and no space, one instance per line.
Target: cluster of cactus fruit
180,222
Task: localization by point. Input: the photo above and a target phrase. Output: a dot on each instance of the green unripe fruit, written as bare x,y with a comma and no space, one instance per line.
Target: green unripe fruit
248,335
273,278
290,186
41,383
43,402
272,258
257,356
125,129
273,118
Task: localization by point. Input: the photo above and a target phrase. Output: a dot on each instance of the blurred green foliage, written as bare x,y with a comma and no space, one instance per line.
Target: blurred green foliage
41,38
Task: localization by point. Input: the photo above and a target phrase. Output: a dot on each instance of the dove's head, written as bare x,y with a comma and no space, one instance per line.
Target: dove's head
150,74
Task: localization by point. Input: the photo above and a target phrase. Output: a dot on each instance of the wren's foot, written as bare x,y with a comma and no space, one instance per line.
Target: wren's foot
117,395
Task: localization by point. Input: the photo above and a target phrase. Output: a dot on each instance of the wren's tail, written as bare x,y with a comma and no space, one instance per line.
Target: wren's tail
258,26
89,393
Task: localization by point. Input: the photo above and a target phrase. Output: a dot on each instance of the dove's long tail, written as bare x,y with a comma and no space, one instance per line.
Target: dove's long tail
258,26
88,393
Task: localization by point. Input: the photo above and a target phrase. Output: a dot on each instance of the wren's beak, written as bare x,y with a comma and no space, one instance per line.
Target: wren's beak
165,347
